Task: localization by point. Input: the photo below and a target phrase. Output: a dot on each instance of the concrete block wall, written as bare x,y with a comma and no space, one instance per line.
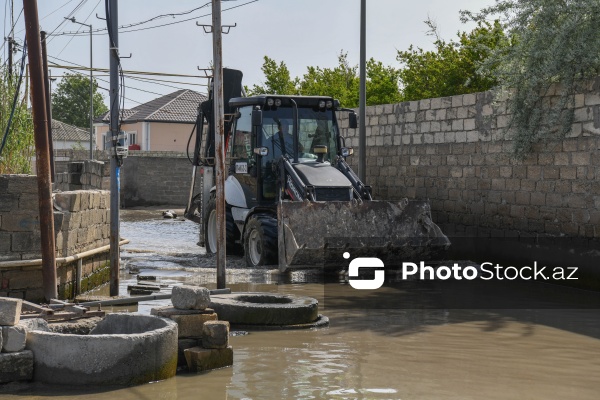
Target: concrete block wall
84,175
453,152
81,223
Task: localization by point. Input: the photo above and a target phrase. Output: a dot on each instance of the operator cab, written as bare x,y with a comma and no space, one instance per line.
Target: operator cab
267,127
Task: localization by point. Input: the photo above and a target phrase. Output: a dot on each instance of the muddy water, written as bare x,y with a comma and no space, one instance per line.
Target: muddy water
375,354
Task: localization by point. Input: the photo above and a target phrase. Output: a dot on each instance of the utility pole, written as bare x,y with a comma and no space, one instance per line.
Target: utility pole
10,57
219,141
32,31
48,104
91,89
362,102
115,167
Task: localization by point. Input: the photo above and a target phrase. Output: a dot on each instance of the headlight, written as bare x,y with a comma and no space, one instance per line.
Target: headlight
329,103
270,102
277,102
321,103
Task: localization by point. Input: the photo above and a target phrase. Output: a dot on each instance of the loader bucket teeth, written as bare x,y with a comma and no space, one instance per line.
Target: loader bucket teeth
311,232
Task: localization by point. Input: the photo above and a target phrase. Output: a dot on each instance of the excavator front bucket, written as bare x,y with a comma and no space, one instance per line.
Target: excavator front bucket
315,234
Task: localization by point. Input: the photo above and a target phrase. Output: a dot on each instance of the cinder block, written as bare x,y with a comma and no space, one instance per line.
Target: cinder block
191,325
215,334
10,311
16,366
13,338
199,359
189,297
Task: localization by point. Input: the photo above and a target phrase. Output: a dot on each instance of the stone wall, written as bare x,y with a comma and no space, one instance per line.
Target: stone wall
453,152
148,178
81,221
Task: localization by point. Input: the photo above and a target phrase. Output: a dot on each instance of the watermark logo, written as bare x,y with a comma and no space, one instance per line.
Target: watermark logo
365,262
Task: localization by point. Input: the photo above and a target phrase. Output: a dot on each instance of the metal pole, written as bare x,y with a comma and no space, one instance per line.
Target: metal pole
114,161
10,57
48,104
42,155
91,100
219,141
362,112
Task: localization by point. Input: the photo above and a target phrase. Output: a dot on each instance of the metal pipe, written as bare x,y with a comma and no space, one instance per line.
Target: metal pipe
32,30
219,141
60,260
48,105
114,167
362,128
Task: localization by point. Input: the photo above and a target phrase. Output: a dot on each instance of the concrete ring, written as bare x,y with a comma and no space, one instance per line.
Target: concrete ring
265,308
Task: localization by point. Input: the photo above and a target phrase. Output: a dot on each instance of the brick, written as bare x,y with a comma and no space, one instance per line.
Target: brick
20,222
9,202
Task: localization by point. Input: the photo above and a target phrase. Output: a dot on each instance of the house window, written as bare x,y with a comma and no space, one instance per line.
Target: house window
132,138
104,144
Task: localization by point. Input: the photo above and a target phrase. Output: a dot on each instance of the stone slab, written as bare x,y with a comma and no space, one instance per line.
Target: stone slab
13,338
191,325
16,366
35,324
168,311
182,345
215,334
199,359
187,297
10,311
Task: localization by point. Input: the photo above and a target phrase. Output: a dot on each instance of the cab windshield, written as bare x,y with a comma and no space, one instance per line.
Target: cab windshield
315,127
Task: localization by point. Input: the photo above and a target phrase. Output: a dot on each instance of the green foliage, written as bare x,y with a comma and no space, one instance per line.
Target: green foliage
19,149
71,101
454,67
341,82
555,52
278,80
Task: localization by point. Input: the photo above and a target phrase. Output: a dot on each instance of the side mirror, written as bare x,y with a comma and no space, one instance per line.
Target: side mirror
257,118
352,120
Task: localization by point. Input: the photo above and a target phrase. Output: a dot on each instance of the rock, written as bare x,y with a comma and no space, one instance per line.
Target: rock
35,324
188,297
168,312
16,366
190,326
13,338
169,214
215,334
10,311
199,359
146,278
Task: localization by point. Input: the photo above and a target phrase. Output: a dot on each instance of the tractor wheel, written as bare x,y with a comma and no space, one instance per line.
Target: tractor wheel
210,229
260,241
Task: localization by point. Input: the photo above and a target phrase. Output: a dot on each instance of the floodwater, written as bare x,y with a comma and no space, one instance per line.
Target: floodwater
363,354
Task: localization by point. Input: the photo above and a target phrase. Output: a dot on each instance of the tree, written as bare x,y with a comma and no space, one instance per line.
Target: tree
71,101
341,82
453,67
16,143
278,79
555,52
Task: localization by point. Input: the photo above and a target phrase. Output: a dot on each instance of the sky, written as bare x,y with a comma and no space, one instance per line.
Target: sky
301,33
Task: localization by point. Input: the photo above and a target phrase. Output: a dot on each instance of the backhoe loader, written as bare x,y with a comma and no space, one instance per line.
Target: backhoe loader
292,200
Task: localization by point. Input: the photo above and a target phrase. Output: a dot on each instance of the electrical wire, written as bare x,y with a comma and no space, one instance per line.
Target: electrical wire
16,97
84,21
102,31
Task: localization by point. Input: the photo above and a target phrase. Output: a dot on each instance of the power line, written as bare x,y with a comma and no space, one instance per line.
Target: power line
102,31
82,68
85,20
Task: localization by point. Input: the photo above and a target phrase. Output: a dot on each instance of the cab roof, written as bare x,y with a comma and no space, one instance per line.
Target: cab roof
261,100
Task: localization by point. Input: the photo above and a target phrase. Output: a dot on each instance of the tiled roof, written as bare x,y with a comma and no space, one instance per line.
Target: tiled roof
62,131
180,107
